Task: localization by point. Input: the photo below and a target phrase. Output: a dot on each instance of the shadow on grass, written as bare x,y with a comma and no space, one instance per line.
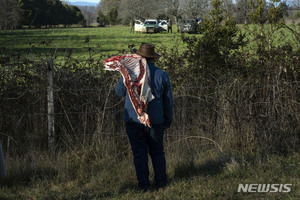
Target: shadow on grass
26,176
133,187
184,170
190,169
88,196
127,187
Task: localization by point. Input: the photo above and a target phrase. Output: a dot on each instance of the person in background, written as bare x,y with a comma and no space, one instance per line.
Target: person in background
145,140
131,26
170,25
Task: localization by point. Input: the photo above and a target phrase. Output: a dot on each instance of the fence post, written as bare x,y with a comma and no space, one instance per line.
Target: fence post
50,98
2,163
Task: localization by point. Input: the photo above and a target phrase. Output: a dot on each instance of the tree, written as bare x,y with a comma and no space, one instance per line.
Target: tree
217,46
295,4
275,13
112,16
55,13
9,14
48,12
77,16
30,11
272,15
228,6
141,9
102,19
195,8
242,9
89,13
173,8
106,5
257,13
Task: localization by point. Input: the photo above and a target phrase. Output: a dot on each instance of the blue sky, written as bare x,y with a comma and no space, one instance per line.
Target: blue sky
97,1
90,1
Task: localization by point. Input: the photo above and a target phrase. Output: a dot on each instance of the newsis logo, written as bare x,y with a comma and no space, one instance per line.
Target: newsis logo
264,188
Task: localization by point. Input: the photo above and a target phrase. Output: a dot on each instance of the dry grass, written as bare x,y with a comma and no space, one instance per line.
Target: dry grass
92,173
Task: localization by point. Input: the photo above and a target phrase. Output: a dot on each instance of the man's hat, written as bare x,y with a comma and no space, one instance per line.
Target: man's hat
147,50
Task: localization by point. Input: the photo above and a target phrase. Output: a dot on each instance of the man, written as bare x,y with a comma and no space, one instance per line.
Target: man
131,26
144,140
170,25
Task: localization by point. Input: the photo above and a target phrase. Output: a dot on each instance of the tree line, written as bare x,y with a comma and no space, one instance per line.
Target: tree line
121,11
14,13
32,13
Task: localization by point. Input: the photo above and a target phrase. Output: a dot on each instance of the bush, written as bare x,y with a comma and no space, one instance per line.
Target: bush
244,99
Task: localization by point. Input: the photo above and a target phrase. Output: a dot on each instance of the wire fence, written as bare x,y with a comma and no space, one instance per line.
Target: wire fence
253,113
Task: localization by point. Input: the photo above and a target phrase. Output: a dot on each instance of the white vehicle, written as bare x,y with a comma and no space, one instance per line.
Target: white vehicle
138,26
151,26
163,24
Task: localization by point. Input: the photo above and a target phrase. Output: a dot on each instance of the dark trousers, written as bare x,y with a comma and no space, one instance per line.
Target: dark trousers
144,140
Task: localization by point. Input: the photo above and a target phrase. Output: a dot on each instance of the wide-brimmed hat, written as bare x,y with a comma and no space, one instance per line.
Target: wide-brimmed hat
147,50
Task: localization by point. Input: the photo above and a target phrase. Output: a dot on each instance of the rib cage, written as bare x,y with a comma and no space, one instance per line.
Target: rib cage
136,78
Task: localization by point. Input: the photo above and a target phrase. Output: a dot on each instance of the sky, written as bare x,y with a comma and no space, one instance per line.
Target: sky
97,1
90,1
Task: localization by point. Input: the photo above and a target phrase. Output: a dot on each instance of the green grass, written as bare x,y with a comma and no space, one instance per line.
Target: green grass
289,35
91,173
108,40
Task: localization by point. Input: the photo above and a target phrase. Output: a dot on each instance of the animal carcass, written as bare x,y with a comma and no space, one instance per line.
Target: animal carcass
136,78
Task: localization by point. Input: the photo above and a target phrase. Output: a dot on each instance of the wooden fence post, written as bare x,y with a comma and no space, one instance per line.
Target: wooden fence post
2,163
50,98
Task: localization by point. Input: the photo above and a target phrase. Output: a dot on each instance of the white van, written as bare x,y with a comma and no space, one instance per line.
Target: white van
138,25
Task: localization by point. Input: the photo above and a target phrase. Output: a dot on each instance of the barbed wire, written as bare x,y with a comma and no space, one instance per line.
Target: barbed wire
44,59
57,89
62,113
111,134
109,108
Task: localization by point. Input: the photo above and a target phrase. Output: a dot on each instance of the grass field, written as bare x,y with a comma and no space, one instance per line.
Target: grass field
108,40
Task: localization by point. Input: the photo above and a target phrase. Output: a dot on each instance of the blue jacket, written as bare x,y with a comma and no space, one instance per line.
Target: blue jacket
160,109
